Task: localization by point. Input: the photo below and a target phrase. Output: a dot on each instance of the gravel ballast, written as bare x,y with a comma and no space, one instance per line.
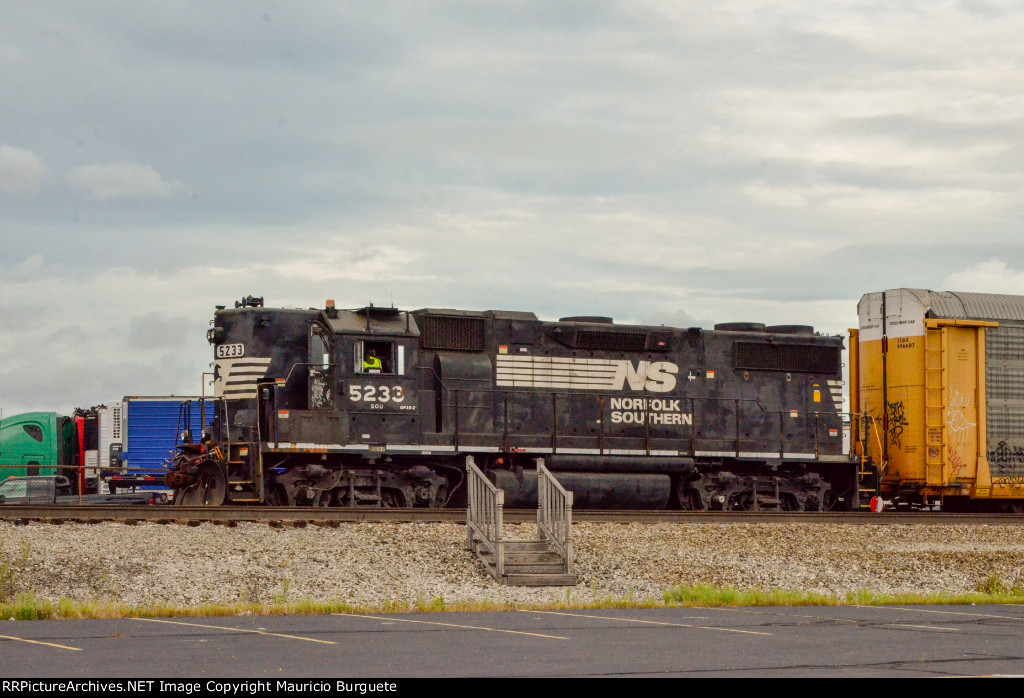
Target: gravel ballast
375,565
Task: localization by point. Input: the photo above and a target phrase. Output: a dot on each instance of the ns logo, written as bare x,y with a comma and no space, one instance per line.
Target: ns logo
652,376
585,374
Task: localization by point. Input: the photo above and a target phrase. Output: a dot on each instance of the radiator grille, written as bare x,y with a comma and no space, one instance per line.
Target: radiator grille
449,332
792,358
611,340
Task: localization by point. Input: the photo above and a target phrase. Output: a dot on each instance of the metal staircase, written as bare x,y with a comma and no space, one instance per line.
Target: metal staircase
545,561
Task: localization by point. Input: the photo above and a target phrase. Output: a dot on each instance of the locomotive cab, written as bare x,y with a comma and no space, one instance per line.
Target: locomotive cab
375,386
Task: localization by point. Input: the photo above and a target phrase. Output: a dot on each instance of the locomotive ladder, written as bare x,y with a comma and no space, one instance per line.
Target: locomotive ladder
867,484
544,561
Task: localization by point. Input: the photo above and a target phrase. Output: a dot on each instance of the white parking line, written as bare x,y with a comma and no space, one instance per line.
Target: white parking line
786,615
950,613
451,625
651,622
236,630
37,642
842,620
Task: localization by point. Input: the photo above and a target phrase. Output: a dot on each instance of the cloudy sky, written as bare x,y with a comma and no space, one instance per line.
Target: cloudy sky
671,162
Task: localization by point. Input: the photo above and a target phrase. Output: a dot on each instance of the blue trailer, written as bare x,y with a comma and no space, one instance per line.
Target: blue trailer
152,428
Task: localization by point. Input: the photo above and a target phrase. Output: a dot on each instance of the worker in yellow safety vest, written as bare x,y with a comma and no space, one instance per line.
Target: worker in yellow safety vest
371,363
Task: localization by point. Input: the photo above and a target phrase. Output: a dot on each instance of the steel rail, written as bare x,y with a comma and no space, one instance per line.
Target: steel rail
335,516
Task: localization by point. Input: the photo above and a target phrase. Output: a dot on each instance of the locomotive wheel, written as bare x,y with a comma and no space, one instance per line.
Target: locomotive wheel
310,497
209,489
393,498
743,501
691,500
276,496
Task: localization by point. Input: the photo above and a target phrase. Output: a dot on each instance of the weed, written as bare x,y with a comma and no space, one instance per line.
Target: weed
7,578
282,598
27,607
251,593
706,595
12,569
991,585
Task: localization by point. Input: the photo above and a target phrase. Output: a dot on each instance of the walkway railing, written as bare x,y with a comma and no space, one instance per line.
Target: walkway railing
483,516
490,412
554,514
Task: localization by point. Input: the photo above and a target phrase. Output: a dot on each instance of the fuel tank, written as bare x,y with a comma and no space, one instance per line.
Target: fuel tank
589,490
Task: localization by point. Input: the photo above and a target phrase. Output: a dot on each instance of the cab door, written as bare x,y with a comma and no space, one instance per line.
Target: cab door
320,368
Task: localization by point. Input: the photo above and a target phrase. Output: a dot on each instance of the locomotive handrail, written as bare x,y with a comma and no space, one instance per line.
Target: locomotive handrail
501,411
484,513
554,514
288,376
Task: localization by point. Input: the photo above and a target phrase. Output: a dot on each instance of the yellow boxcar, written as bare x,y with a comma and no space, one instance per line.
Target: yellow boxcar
938,381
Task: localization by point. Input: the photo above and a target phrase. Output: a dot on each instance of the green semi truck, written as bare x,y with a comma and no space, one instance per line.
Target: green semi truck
36,443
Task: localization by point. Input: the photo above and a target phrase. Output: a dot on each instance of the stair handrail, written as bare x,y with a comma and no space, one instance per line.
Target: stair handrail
554,514
484,513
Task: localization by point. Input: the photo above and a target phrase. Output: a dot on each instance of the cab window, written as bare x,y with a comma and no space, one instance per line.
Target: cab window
379,357
319,351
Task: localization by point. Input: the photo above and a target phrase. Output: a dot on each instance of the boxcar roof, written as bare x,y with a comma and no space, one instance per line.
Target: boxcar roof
976,306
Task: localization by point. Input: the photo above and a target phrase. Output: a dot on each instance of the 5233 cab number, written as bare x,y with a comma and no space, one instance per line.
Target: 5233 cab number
379,395
230,351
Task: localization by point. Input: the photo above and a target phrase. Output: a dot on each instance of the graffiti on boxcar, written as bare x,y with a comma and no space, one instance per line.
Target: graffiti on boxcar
1004,455
897,422
959,427
1014,482
956,462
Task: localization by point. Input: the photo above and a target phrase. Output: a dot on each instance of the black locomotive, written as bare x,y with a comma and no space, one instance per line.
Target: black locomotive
380,407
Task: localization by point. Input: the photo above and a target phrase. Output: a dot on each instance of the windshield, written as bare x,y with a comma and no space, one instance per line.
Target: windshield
13,488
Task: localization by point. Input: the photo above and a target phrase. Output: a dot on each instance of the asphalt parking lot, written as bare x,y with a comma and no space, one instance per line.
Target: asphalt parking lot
851,641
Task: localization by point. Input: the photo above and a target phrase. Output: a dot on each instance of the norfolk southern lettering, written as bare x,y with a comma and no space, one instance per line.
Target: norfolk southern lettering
653,411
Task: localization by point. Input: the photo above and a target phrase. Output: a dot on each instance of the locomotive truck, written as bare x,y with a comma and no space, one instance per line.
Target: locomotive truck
380,407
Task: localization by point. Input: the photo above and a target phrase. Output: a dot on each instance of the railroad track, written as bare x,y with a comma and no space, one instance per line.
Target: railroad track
303,516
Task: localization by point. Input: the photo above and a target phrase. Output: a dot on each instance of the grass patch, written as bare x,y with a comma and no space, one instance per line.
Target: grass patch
989,591
27,607
22,605
709,596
